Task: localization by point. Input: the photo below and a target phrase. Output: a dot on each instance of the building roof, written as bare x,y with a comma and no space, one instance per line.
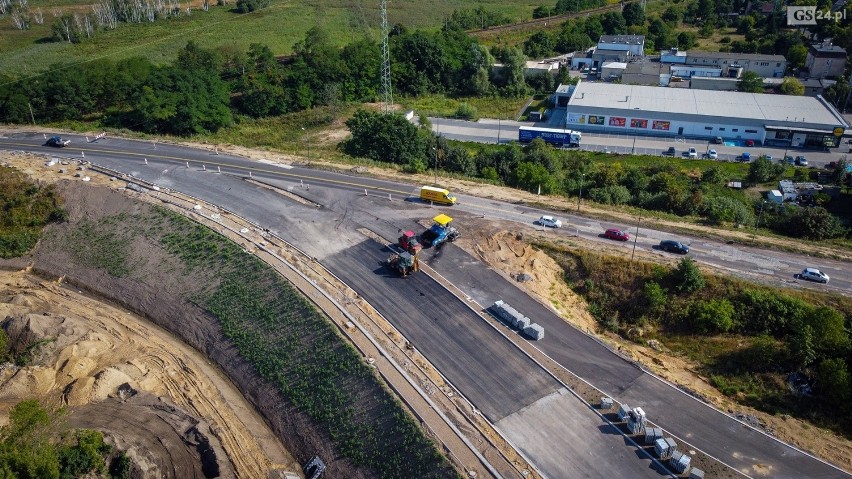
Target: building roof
778,109
648,68
735,56
625,39
615,65
827,50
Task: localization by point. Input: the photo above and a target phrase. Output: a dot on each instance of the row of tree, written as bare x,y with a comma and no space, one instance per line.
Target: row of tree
538,167
204,89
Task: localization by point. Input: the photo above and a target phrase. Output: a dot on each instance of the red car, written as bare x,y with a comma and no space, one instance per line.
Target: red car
749,143
616,234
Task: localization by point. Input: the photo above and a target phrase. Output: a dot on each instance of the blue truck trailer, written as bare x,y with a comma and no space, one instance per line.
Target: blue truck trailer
554,136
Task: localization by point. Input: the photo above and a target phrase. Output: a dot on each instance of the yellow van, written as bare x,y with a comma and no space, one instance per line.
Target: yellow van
437,195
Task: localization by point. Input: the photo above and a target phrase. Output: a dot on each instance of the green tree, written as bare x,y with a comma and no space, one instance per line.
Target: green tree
655,295
613,23
750,82
539,45
724,209
813,223
801,345
390,138
672,15
832,380
685,40
828,326
792,86
610,195
796,55
714,316
714,175
531,177
687,278
633,14
763,170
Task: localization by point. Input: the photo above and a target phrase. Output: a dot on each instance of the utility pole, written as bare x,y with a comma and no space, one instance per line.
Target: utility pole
758,221
635,238
32,117
436,161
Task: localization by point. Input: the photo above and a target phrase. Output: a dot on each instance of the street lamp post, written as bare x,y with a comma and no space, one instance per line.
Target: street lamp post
436,164
580,195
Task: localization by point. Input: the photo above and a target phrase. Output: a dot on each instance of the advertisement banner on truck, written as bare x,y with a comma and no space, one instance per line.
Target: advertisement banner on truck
617,121
638,123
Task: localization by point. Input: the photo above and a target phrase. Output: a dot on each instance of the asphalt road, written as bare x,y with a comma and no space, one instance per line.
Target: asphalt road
504,131
713,432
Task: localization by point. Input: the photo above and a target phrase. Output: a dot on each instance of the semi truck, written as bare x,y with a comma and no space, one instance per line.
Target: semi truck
553,136
437,195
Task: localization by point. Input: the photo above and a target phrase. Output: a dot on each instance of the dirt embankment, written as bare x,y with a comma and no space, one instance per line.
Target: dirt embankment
154,397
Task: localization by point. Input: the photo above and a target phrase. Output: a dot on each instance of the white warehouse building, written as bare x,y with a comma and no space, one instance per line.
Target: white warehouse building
783,120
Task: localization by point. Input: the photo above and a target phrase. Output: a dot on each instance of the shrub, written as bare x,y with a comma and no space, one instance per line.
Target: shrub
722,209
687,277
833,380
812,223
714,316
610,195
725,39
655,295
769,312
466,112
415,165
247,6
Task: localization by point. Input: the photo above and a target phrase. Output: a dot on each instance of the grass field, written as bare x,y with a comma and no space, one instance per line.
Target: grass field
279,26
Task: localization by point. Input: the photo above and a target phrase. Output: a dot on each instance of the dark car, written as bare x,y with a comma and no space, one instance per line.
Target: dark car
670,152
616,234
718,140
801,161
57,141
674,247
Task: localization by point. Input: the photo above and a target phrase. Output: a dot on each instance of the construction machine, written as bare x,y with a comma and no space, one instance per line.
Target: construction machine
440,232
404,263
408,242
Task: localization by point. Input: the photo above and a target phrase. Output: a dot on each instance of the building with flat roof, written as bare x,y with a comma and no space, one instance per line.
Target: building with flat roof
724,64
795,121
825,60
635,44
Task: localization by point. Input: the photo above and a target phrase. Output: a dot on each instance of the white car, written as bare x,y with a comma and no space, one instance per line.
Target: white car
712,155
814,274
692,153
549,221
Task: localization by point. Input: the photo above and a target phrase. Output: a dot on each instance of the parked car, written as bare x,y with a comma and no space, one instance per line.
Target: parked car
801,161
749,143
549,221
745,157
616,234
711,154
718,140
813,274
692,153
789,160
673,246
57,141
670,152
768,157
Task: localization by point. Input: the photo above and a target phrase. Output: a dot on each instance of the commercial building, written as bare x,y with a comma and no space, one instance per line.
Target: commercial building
723,64
795,121
825,60
611,48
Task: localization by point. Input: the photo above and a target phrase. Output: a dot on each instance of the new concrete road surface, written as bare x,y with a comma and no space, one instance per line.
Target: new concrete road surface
717,434
401,299
559,434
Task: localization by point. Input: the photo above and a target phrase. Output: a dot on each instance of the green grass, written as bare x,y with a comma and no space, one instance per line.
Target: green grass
279,26
443,106
25,208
